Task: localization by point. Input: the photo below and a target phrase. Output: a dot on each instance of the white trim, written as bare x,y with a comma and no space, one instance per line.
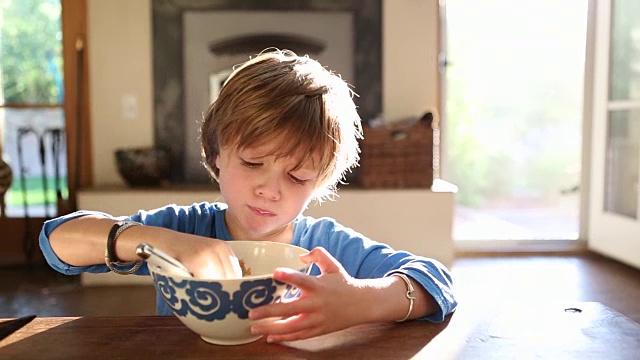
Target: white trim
545,246
623,105
442,74
599,112
587,121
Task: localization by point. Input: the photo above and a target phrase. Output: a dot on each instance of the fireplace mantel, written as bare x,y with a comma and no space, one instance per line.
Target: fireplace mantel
416,220
174,93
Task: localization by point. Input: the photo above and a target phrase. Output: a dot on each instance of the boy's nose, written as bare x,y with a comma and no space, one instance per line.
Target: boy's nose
269,188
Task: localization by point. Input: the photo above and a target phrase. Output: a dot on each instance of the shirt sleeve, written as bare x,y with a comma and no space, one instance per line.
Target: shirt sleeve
50,256
195,219
364,258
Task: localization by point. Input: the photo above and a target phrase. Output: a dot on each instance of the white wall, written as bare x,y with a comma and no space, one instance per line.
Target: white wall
410,57
120,64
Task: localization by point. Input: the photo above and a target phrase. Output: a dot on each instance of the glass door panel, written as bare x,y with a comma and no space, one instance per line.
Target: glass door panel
622,160
624,79
623,127
34,146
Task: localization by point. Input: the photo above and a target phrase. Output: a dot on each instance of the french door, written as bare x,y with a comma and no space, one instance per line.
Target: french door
43,118
614,228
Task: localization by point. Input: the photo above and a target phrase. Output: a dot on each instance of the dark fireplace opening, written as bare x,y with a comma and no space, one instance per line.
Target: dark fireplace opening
196,44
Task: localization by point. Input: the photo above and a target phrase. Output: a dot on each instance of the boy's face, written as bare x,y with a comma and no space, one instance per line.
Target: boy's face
264,194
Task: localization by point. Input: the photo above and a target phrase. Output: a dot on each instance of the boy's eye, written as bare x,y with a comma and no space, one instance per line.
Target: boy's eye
296,180
250,164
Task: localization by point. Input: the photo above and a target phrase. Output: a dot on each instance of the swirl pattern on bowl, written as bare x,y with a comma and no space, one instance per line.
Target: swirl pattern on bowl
208,301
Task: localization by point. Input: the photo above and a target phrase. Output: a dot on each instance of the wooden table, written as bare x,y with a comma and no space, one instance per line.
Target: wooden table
594,332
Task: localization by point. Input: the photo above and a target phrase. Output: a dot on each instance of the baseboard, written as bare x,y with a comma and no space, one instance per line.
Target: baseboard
520,248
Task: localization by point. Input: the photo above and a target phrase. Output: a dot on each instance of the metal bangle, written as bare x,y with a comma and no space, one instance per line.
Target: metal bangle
410,291
110,258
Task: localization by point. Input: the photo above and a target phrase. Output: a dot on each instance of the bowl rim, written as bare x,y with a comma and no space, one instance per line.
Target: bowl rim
304,269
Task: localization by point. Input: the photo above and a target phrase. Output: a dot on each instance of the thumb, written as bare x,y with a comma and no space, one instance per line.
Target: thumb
325,261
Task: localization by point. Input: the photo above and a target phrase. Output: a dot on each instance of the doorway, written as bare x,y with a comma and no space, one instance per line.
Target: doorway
44,139
513,114
31,100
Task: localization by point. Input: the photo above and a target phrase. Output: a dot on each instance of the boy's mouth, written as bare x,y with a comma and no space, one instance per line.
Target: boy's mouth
261,212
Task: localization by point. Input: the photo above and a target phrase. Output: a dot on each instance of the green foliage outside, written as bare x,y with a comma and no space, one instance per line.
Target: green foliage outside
31,51
514,102
468,167
517,150
35,191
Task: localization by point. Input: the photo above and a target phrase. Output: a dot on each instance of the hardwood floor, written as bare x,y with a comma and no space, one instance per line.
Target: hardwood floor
44,292
529,281
484,283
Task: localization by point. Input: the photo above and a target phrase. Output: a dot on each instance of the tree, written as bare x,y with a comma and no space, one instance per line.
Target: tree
31,51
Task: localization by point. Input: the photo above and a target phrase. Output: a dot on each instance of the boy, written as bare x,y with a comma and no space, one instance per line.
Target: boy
282,132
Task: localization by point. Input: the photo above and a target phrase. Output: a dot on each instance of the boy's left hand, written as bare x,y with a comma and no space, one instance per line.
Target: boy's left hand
325,305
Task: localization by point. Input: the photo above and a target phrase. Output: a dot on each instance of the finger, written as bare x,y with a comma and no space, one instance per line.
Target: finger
220,267
296,278
325,261
281,310
230,263
211,270
235,271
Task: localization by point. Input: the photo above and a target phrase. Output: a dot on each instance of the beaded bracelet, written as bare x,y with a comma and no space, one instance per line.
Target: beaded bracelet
110,257
410,290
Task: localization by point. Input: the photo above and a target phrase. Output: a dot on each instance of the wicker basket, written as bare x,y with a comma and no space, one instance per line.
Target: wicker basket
399,156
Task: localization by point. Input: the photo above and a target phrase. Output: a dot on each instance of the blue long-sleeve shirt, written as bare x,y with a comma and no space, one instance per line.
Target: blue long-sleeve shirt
361,257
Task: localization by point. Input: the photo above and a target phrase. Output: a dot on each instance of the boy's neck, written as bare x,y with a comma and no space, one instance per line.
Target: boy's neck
282,235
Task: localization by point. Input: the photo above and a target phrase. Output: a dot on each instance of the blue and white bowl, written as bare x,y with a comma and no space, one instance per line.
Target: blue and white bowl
217,309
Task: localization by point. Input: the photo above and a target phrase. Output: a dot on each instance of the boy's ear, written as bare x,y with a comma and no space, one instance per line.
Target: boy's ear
216,162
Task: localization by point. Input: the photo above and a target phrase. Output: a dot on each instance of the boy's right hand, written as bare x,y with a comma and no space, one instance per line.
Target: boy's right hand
209,258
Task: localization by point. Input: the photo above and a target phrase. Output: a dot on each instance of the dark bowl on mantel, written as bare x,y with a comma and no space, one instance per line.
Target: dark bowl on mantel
144,167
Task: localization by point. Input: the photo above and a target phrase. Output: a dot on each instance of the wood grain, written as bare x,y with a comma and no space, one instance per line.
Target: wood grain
593,332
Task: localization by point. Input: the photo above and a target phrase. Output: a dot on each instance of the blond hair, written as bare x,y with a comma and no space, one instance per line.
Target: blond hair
279,95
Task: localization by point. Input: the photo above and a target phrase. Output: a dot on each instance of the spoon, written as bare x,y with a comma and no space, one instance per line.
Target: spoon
161,261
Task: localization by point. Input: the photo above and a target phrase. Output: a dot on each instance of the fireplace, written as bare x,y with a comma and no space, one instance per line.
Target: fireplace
197,43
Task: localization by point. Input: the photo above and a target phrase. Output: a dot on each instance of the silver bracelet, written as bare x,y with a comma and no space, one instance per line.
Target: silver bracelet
109,253
410,291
